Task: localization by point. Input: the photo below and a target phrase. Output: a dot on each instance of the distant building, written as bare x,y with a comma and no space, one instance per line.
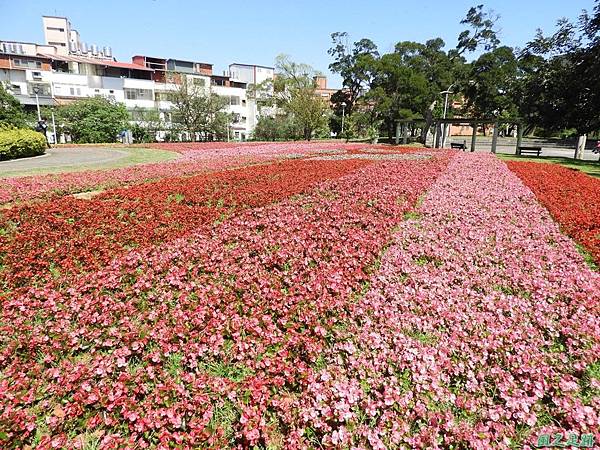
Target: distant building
59,33
65,69
322,91
251,74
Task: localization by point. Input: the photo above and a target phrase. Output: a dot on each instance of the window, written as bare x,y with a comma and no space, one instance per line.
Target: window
234,100
97,91
60,44
138,94
62,30
29,63
243,102
199,82
36,76
111,91
163,96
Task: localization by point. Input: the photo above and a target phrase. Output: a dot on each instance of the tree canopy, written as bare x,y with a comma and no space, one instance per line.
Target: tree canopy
199,112
298,112
11,112
552,83
94,119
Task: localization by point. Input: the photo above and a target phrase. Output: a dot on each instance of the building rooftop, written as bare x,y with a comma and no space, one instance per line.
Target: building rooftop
97,62
252,65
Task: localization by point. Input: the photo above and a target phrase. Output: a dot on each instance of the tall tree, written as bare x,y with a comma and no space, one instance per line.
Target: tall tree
481,31
199,111
491,82
308,111
407,82
355,66
560,86
295,96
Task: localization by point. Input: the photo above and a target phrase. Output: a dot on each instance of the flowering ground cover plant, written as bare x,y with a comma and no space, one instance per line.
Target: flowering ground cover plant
207,340
355,299
195,158
571,196
480,330
71,235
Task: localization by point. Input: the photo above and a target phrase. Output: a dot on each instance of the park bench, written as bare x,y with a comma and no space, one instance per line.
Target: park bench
458,145
524,150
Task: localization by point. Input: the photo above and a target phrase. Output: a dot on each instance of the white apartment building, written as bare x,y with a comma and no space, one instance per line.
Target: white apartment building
253,75
64,69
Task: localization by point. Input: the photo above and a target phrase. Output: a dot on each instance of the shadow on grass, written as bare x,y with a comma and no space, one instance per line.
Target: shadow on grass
590,167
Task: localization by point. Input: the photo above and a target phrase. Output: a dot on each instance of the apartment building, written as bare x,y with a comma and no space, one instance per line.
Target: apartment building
322,91
65,68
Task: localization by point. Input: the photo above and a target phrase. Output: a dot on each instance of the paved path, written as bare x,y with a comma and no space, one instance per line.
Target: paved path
64,156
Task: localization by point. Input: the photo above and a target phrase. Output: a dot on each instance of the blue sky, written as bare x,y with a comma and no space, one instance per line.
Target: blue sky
222,32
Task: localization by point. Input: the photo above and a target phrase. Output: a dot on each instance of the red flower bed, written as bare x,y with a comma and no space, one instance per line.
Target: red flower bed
70,235
571,196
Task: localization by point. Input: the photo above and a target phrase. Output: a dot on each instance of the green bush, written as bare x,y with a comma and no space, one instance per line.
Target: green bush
20,142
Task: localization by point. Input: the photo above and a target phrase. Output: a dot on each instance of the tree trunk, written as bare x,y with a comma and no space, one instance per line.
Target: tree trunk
580,146
428,120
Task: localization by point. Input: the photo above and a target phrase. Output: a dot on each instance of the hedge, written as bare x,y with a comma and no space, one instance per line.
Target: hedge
20,142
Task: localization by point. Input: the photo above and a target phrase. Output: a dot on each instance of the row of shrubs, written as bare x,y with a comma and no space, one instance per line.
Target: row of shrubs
20,142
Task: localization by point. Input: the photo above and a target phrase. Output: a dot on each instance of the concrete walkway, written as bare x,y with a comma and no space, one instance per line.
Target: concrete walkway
63,157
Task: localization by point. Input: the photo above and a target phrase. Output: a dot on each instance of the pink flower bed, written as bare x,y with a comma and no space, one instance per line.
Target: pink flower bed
480,329
210,340
195,158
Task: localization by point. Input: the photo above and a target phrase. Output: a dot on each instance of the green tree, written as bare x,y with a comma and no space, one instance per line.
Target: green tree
278,127
309,112
559,87
356,67
11,111
491,83
293,100
147,122
95,119
481,31
408,81
198,111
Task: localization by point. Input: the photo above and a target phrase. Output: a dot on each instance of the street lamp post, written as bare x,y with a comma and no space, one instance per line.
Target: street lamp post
343,115
446,93
36,91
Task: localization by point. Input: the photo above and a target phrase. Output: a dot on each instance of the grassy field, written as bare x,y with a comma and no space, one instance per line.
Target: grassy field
134,156
590,167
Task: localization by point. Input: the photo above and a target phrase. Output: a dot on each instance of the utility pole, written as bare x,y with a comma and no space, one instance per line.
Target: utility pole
54,129
343,115
446,93
36,91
